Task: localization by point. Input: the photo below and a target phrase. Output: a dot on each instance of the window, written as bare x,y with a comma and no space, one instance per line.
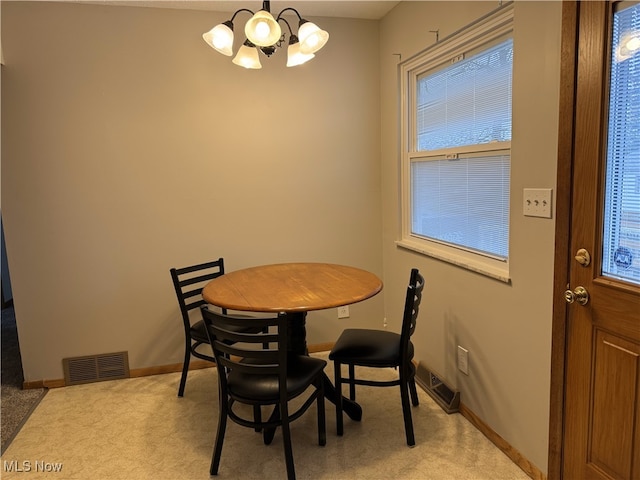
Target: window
456,155
621,243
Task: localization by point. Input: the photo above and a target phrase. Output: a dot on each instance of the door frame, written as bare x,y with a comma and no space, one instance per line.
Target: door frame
566,127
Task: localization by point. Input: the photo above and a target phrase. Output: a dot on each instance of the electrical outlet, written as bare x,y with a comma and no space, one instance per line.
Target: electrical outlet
343,312
463,360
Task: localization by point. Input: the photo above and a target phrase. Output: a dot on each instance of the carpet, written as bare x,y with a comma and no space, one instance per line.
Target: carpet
139,429
16,404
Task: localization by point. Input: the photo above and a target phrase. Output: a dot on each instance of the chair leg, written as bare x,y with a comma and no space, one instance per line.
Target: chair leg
413,392
257,417
286,440
412,385
352,385
185,367
406,411
268,433
217,450
338,380
322,422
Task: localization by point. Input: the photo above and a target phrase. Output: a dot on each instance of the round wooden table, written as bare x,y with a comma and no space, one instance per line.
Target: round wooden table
295,289
291,287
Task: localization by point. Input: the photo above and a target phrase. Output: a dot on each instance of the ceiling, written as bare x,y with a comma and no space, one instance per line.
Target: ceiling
371,10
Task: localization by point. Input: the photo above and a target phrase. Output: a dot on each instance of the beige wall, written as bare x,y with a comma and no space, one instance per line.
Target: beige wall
130,146
506,328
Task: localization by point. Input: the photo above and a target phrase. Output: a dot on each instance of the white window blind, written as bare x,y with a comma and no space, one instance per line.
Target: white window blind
463,202
621,242
468,102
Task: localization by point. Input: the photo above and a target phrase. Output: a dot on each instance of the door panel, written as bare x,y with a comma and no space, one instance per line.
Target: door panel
614,400
602,374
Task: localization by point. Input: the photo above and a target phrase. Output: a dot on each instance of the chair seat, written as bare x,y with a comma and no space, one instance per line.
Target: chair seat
368,348
301,371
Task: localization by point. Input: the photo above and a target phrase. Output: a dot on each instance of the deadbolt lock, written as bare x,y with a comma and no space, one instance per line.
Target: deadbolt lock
583,257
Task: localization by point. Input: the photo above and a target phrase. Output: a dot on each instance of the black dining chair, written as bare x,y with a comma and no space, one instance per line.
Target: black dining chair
188,283
262,377
381,349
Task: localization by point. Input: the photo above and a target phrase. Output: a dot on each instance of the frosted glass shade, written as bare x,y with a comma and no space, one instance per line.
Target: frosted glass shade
296,57
628,46
220,38
312,38
262,29
247,57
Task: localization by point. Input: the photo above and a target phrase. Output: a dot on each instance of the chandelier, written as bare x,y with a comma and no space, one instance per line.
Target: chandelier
264,35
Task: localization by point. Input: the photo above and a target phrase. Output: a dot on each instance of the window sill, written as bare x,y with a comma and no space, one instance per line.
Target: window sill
489,268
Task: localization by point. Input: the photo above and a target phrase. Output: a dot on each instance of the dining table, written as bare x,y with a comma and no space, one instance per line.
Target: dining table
294,289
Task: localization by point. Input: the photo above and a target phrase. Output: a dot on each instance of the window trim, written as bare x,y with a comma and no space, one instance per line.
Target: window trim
482,32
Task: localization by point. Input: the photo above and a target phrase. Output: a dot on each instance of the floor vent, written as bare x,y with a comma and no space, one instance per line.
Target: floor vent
443,395
96,368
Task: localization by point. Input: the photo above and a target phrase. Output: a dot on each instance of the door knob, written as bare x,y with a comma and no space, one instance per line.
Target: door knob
579,295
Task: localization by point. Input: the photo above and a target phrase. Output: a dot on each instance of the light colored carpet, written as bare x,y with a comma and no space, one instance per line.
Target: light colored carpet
139,429
16,404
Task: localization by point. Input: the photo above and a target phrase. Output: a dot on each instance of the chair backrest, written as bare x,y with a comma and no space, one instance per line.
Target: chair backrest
189,282
411,309
235,347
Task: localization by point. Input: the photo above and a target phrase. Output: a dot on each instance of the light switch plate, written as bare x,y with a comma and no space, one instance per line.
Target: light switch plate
536,202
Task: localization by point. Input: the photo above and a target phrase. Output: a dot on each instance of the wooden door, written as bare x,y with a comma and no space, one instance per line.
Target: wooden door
602,369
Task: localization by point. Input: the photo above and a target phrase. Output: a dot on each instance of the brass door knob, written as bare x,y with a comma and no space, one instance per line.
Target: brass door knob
579,295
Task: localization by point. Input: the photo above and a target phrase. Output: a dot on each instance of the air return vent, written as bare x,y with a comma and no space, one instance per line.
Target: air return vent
443,395
95,368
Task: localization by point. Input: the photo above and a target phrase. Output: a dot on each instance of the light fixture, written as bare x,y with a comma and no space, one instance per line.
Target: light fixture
294,54
312,38
247,56
264,34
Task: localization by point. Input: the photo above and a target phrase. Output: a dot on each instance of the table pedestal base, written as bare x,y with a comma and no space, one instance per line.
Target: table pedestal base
298,346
